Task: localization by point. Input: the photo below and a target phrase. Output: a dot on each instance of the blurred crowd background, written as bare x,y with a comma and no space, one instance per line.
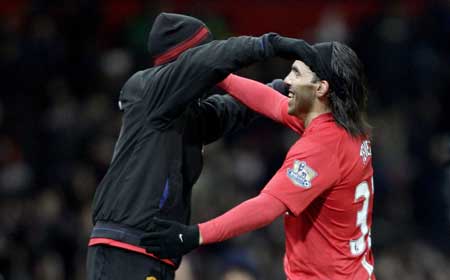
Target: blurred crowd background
62,64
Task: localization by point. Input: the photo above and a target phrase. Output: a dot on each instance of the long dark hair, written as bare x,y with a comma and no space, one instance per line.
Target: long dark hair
349,102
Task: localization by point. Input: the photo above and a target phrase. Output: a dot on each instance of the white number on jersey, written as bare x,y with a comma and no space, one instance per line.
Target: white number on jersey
358,246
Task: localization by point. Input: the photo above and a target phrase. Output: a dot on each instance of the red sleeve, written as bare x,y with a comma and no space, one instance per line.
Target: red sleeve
262,99
307,172
247,216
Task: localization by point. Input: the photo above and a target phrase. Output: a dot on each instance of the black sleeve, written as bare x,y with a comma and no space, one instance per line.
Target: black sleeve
200,68
221,115
216,116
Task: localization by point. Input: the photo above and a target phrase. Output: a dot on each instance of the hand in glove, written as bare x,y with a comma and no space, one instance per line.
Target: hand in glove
280,86
170,239
285,47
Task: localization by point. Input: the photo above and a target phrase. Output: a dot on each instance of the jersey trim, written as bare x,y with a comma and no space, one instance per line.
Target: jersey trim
126,246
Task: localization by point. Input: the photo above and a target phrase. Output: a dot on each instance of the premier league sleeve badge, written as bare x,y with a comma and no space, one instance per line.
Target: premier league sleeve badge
301,174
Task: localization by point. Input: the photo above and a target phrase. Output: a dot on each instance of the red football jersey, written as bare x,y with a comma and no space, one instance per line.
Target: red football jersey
326,182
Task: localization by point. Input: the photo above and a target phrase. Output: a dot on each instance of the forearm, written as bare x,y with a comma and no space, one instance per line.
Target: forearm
262,99
249,215
256,96
211,63
198,69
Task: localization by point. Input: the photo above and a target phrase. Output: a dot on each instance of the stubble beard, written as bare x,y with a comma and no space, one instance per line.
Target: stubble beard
301,107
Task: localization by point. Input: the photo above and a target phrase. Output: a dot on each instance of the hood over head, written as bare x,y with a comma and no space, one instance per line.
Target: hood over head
172,34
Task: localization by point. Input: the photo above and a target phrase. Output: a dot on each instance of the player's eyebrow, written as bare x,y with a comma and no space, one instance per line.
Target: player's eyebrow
295,69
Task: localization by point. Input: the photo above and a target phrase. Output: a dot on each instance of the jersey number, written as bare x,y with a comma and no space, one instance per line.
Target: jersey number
358,246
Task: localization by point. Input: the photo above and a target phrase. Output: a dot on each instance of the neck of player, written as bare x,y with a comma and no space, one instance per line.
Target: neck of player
318,109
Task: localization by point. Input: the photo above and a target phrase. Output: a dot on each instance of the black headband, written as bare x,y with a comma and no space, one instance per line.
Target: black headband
318,58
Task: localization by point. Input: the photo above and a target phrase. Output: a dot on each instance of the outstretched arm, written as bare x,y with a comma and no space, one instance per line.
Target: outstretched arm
172,239
197,70
250,215
262,99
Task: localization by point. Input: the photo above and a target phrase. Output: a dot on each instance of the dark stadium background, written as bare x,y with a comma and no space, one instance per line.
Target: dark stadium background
62,66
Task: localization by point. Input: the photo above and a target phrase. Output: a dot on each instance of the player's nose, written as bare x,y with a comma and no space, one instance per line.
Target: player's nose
287,81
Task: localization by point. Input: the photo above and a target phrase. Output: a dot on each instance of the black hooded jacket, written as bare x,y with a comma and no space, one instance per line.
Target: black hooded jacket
158,155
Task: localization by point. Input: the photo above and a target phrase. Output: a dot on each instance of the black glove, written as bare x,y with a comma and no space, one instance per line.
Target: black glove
280,86
284,47
170,239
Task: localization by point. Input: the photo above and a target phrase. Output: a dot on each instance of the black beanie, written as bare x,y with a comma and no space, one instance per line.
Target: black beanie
172,34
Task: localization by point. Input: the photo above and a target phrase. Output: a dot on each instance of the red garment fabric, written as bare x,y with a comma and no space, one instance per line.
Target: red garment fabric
262,99
126,246
247,216
326,182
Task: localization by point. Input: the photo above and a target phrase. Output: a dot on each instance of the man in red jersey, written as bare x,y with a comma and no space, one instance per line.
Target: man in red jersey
324,187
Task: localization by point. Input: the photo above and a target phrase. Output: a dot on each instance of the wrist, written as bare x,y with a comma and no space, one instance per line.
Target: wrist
203,233
194,232
200,238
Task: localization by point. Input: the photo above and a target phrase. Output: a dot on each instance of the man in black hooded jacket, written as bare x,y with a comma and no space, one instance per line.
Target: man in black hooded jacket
158,155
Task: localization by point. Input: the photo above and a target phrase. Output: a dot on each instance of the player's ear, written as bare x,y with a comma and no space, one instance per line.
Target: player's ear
323,88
